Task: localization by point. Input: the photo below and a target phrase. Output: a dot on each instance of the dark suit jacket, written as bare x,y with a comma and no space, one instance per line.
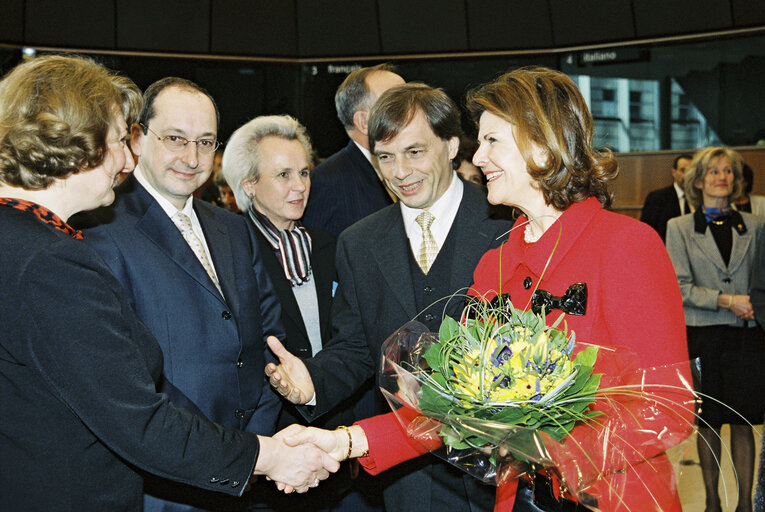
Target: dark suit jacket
757,292
79,411
660,206
214,348
344,189
375,297
325,277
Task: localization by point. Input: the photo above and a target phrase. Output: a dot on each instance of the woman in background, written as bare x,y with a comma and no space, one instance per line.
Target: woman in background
713,251
267,163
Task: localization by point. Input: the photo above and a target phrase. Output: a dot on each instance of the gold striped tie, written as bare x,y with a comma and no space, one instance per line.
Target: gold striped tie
429,248
183,223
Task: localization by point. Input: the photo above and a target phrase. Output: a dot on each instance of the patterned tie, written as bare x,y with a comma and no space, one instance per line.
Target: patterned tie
183,223
429,248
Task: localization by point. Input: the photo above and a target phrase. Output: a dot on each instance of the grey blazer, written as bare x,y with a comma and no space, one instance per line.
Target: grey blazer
700,269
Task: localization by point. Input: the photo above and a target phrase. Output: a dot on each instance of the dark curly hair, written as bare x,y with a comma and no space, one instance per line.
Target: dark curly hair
55,113
547,110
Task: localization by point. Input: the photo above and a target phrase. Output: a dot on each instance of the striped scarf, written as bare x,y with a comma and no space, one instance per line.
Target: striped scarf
292,247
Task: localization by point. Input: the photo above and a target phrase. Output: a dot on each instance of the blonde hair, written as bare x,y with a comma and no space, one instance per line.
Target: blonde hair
699,167
547,110
55,113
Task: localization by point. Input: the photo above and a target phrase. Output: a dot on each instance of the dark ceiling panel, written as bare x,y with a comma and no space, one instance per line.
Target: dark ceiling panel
674,17
349,27
417,26
591,21
260,27
748,12
509,25
12,21
164,26
75,23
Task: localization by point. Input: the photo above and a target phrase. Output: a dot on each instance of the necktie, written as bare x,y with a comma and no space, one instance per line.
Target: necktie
183,223
429,248
684,204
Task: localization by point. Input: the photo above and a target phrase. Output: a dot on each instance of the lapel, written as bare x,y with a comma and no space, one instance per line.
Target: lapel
153,223
741,246
281,285
706,243
322,254
222,254
391,253
673,203
472,238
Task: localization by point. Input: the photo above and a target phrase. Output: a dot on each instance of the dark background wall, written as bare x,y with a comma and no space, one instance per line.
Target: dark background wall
288,56
342,28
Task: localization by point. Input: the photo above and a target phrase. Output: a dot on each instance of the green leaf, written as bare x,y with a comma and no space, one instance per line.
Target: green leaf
587,357
433,355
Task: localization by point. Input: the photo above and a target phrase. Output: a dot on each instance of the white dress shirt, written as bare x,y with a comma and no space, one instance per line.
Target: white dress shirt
444,210
681,198
171,210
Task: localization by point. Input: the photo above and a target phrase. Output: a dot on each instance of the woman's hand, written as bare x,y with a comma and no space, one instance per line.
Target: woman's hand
741,306
334,443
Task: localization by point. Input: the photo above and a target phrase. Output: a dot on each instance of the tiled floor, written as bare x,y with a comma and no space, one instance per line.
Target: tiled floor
690,482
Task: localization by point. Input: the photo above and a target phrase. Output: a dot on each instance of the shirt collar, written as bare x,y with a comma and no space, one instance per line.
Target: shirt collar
679,190
444,209
166,205
364,151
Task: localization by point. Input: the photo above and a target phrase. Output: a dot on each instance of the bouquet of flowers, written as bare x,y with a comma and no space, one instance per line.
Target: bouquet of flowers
500,392
509,368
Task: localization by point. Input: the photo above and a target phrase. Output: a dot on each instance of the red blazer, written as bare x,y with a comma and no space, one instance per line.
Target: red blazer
634,302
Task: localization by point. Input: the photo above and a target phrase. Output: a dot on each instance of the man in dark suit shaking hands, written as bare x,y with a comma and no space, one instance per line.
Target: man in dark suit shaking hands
193,273
668,202
396,265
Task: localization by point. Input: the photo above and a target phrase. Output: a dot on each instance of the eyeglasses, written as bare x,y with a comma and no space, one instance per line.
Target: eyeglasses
178,143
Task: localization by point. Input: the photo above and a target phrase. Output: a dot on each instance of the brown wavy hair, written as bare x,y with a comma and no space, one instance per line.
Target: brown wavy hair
55,113
547,109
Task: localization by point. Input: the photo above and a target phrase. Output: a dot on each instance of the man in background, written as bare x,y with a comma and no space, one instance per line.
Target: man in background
346,187
668,202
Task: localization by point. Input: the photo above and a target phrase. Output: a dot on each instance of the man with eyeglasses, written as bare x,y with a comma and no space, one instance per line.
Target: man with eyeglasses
194,276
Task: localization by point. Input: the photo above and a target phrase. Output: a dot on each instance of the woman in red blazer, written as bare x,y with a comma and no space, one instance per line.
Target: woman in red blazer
535,135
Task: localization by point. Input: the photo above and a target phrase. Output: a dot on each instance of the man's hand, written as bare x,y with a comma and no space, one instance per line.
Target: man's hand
333,442
297,468
291,378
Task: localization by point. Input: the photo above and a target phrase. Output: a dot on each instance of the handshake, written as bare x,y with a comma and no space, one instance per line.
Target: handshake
298,458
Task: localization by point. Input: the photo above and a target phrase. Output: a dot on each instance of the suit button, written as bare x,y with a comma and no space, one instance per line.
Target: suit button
429,317
239,413
224,481
427,289
527,283
726,280
239,363
226,315
235,483
214,480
